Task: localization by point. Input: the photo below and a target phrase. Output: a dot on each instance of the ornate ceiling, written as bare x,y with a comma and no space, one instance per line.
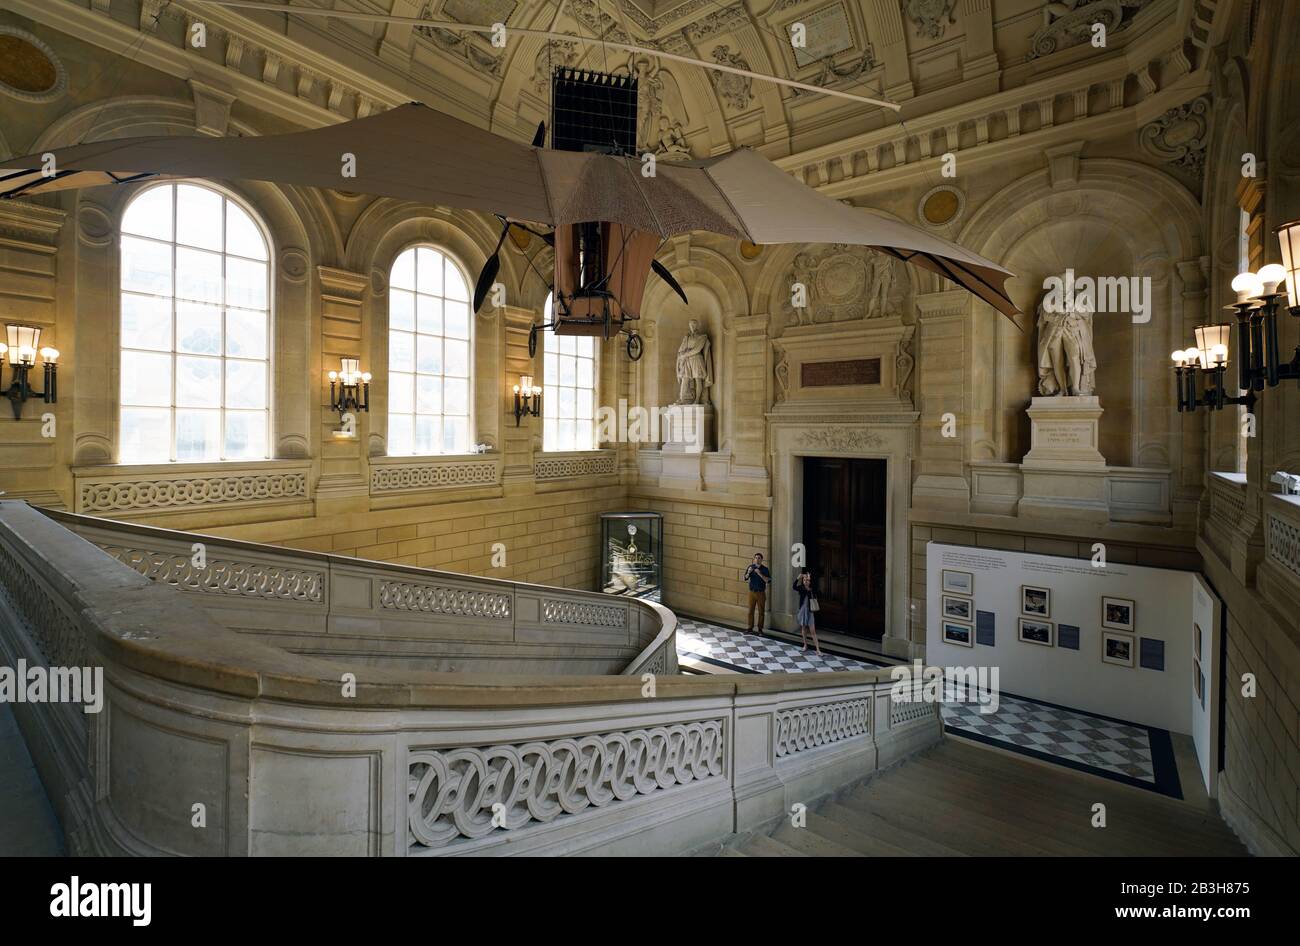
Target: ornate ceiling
904,50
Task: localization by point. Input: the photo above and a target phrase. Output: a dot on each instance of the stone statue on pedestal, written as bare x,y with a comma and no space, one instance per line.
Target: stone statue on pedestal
694,366
1067,365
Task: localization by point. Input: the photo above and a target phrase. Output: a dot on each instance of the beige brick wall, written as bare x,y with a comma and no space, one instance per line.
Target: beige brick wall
1262,733
550,538
707,546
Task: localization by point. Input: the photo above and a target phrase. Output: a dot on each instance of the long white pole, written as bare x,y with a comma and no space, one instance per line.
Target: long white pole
547,34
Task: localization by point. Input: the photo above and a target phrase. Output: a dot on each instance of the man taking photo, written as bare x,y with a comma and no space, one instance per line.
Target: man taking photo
758,578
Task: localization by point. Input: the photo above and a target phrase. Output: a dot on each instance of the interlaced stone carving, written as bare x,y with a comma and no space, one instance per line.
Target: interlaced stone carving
807,727
1283,541
557,468
560,611
201,491
900,713
1226,503
437,599
50,628
434,475
453,794
247,579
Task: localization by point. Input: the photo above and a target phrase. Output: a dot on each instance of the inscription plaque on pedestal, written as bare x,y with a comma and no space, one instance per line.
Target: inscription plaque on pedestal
825,374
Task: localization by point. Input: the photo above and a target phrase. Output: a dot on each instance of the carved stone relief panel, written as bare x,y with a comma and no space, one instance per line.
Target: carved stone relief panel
841,283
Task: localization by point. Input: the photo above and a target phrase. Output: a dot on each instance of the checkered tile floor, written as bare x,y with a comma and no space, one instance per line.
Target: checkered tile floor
750,652
1065,734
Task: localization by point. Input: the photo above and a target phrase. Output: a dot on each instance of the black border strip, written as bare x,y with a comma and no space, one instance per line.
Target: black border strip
1163,762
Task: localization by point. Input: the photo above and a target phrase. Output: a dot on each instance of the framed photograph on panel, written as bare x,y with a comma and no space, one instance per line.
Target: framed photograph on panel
1035,602
957,609
1036,632
1196,641
958,583
961,634
1118,614
1198,682
1116,649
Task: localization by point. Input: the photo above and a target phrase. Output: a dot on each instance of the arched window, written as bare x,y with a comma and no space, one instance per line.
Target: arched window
568,390
195,329
429,355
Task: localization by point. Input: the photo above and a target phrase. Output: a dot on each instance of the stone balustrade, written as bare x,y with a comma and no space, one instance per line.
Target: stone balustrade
389,615
205,711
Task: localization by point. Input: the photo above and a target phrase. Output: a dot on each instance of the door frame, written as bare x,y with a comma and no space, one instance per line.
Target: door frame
890,438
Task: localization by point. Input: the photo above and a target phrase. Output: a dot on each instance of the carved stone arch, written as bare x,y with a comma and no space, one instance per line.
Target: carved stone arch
1128,220
384,230
717,293
122,117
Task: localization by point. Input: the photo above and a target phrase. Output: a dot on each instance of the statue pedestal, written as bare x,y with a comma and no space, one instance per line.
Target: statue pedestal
687,428
1064,474
1064,433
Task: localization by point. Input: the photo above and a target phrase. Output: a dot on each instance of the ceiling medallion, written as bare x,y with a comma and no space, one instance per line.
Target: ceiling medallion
941,207
29,70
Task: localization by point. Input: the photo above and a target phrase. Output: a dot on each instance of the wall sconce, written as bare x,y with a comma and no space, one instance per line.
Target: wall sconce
528,399
1259,362
349,387
21,349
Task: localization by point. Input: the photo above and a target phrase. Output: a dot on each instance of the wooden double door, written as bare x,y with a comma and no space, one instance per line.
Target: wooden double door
844,520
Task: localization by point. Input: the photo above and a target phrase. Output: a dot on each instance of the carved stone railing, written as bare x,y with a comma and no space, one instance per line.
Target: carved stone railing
1230,523
395,476
126,492
564,466
316,603
1278,575
485,763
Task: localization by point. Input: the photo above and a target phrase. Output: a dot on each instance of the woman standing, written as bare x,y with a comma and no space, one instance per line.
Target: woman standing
807,616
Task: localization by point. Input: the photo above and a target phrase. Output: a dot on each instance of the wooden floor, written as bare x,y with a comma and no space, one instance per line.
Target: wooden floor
959,799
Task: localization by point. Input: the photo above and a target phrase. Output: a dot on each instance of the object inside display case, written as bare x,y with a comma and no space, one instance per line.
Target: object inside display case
631,558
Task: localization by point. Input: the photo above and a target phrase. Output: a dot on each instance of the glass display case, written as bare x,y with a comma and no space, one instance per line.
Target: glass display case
631,551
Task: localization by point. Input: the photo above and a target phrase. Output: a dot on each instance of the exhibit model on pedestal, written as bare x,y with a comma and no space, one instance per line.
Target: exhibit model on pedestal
631,559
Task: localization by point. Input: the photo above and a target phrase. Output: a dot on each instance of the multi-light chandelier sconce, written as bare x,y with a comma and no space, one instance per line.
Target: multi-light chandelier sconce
349,387
528,399
21,350
1259,359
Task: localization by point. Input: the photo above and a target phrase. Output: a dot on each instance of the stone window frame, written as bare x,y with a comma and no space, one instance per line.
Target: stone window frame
259,221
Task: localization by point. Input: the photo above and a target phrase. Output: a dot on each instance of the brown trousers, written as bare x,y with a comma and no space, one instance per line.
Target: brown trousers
756,599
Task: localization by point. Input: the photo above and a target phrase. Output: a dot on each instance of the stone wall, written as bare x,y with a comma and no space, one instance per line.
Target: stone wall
707,546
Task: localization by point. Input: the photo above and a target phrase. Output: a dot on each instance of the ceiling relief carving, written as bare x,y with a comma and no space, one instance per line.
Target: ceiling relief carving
732,89
1070,23
1180,136
830,75
560,54
471,47
843,283
931,16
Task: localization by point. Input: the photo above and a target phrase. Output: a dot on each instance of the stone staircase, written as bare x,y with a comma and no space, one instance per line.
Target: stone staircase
958,799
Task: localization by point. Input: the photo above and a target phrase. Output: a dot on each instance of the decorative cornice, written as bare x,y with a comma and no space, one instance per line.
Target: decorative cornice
30,227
